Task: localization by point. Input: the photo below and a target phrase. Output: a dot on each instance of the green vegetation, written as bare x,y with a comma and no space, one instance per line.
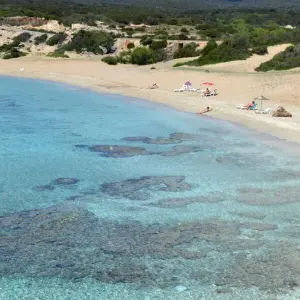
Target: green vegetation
40,39
138,56
57,54
189,50
155,45
22,37
8,47
97,42
13,53
231,49
56,39
110,60
285,60
231,21
260,50
141,56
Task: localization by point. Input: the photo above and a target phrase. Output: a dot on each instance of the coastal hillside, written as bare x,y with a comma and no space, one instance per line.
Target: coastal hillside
181,4
146,35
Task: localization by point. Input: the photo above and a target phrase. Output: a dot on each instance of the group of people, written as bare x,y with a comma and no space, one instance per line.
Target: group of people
207,92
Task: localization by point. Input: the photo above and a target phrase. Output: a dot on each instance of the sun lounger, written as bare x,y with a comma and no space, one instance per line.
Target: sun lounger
213,93
246,107
263,111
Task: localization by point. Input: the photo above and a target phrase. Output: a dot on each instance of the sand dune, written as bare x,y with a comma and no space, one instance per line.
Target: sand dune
234,88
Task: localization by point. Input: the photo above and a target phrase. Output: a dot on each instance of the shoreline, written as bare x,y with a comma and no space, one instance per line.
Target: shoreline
132,81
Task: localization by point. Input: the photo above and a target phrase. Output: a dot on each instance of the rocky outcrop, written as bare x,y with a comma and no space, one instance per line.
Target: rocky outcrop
21,21
281,112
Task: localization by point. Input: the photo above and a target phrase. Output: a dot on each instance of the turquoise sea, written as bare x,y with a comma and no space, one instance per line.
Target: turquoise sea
109,197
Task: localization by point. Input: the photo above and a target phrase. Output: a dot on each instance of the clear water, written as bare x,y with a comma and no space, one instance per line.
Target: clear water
233,204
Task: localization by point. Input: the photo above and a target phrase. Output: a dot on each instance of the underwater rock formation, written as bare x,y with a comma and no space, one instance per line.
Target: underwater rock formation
118,151
136,189
181,202
174,138
72,243
65,181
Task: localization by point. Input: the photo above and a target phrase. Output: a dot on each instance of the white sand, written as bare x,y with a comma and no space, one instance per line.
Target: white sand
238,86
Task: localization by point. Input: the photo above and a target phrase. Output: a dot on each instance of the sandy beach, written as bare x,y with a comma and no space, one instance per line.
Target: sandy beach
236,82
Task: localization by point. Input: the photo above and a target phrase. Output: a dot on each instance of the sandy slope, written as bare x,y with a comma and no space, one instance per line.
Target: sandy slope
234,88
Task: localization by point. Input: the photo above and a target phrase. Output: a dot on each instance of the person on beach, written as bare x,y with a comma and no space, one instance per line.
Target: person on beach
208,109
207,92
153,86
250,105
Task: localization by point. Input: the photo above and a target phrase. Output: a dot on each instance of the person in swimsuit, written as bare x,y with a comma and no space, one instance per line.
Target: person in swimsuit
208,109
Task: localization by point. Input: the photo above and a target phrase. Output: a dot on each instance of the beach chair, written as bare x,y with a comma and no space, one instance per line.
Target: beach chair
264,111
213,93
183,89
253,107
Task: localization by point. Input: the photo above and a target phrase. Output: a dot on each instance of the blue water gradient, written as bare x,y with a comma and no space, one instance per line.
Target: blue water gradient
222,190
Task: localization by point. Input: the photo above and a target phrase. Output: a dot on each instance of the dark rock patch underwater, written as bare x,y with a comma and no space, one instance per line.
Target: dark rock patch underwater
72,243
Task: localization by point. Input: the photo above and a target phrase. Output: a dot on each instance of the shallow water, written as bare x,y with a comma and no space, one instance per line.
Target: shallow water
108,197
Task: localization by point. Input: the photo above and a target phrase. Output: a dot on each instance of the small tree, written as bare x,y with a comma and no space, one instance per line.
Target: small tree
155,45
141,56
260,50
22,37
40,39
110,60
56,39
211,45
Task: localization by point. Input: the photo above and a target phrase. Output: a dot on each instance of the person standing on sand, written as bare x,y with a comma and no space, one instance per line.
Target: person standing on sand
208,109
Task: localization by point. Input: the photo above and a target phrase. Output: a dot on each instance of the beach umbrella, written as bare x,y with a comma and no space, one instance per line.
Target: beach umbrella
208,83
261,99
188,83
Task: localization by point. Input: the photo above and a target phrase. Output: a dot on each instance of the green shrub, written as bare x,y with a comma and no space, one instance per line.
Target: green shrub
22,38
141,56
13,53
8,47
211,33
183,37
146,40
40,39
124,57
130,46
184,30
127,30
155,45
189,50
229,50
160,32
57,54
211,45
260,50
140,29
91,41
42,30
285,60
110,60
158,55
179,64
56,39
203,26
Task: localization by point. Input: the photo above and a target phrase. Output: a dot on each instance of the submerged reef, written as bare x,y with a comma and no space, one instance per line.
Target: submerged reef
72,243
140,188
174,138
